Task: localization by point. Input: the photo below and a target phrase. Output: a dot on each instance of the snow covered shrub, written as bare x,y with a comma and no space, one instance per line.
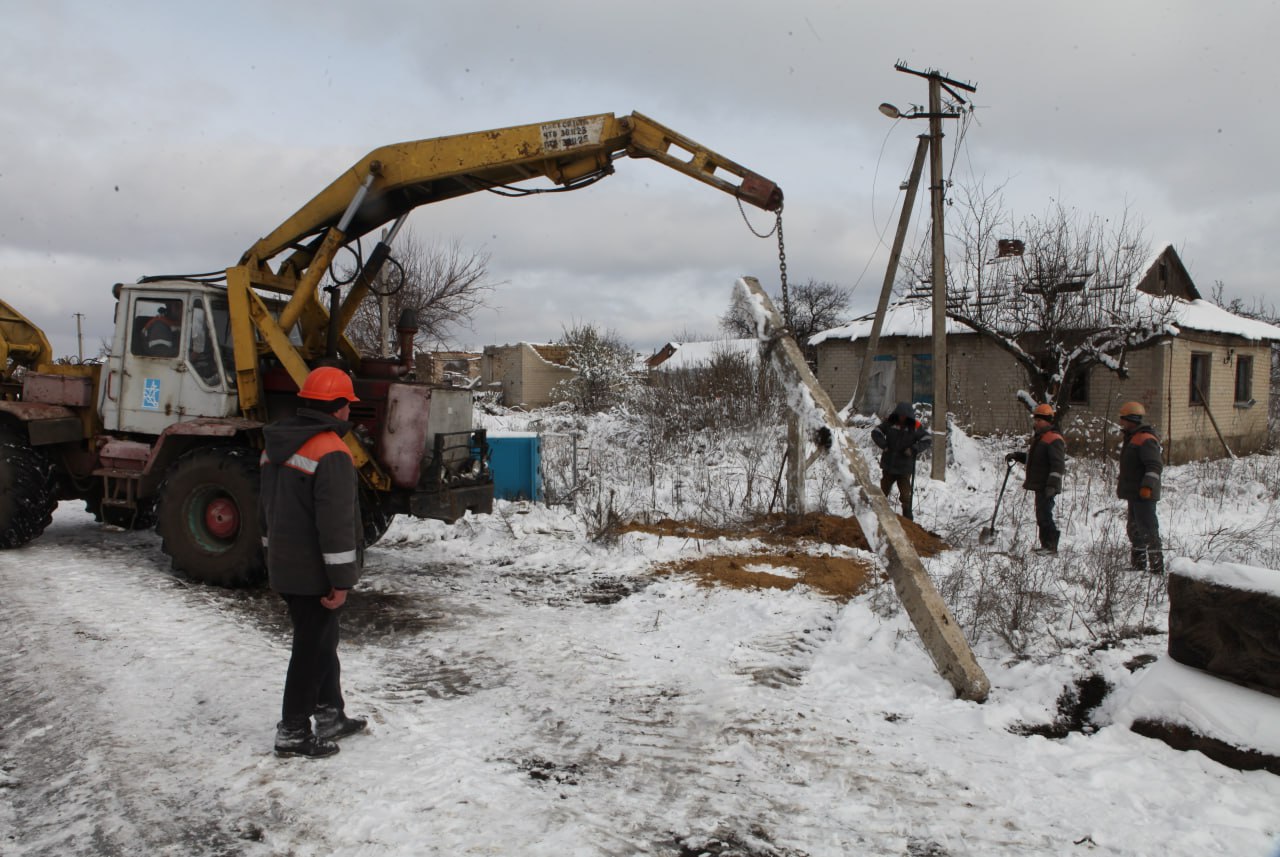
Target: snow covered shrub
1009,596
604,369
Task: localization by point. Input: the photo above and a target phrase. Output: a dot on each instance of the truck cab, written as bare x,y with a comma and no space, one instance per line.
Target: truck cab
171,359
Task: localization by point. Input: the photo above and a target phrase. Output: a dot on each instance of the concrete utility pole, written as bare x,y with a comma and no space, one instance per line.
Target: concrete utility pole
938,630
937,195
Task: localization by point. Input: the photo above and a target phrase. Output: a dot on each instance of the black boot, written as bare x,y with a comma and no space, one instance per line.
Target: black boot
1138,559
300,741
1156,556
334,725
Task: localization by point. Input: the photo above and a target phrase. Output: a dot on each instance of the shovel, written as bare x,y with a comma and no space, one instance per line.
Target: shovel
989,533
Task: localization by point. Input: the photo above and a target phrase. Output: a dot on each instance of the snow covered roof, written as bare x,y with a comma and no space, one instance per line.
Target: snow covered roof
906,318
913,316
694,355
1209,317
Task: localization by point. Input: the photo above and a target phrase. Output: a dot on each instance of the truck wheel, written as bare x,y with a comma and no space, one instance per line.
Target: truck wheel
208,519
27,495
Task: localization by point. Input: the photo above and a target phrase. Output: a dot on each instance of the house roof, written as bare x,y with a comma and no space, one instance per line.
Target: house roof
911,317
693,355
1163,273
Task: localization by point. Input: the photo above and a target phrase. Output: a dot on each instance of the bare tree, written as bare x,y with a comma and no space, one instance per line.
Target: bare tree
604,365
1060,297
444,284
815,306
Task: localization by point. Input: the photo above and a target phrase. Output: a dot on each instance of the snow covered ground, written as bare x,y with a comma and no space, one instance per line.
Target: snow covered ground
533,691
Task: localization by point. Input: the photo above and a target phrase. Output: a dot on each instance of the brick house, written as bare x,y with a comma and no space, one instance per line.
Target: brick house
1205,389
460,368
525,373
700,355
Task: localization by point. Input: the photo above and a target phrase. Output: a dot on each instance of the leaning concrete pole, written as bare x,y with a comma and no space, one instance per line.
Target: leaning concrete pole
933,621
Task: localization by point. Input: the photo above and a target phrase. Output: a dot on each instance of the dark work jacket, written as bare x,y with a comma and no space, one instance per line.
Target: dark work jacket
902,438
1141,464
309,508
1046,461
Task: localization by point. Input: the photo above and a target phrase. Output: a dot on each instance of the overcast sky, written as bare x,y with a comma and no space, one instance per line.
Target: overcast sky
152,138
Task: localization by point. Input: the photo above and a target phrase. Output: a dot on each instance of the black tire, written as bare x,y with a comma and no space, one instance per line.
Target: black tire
28,493
374,517
208,518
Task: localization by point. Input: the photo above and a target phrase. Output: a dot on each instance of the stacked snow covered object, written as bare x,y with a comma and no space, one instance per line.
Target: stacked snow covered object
1223,619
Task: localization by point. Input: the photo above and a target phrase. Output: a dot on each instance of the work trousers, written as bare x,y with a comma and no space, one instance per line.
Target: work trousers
314,676
1044,520
1144,534
888,480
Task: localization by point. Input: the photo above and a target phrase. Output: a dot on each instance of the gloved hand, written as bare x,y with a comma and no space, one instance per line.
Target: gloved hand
1011,457
1050,491
1145,492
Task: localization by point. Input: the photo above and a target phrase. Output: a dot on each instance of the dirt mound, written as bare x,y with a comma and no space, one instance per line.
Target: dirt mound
836,576
839,577
781,529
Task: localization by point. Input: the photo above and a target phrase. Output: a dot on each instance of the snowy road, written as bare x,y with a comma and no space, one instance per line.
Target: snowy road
533,693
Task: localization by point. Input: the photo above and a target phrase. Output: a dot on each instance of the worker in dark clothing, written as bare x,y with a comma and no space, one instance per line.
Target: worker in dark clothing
162,331
314,552
902,438
1046,461
1141,463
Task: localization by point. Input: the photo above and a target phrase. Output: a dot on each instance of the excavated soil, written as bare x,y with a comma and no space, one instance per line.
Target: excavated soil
839,577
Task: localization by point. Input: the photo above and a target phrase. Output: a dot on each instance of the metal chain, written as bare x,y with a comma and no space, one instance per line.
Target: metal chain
782,271
782,256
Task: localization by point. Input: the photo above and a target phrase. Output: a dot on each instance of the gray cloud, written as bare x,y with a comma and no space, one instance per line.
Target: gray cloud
167,138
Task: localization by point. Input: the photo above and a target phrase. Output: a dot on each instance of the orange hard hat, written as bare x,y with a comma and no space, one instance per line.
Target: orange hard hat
1044,410
1132,411
327,384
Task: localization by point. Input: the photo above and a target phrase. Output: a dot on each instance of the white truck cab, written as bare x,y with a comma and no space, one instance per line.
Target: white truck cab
170,360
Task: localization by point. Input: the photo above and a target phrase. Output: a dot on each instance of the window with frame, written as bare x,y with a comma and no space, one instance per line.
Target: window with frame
1244,380
1199,377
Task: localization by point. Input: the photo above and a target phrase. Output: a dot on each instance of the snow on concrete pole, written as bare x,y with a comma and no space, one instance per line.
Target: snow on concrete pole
934,623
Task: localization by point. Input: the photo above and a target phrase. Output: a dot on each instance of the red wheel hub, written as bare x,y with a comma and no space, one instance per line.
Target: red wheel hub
222,518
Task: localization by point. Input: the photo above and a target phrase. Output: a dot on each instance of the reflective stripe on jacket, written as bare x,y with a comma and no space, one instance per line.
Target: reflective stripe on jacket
1141,463
310,506
1046,461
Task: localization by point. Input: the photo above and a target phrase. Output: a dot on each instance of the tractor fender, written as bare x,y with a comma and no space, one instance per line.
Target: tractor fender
43,423
180,438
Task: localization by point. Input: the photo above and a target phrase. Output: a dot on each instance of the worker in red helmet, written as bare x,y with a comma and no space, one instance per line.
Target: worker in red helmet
1046,461
314,553
1138,483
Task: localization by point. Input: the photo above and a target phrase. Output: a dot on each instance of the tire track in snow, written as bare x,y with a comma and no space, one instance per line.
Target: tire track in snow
102,765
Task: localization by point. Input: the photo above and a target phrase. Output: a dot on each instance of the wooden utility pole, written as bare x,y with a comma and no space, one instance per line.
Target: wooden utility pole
813,409
79,336
890,274
937,195
796,466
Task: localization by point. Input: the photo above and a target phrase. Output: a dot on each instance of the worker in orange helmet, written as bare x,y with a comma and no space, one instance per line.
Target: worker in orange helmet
1138,483
1046,461
314,555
